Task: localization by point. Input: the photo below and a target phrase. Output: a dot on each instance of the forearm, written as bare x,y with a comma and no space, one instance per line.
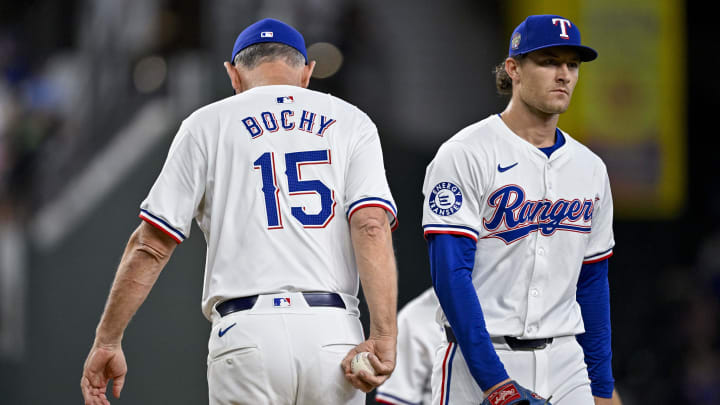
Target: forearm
375,259
594,298
451,262
140,266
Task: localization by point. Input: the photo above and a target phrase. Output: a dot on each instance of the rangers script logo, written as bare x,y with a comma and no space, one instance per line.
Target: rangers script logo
445,199
514,217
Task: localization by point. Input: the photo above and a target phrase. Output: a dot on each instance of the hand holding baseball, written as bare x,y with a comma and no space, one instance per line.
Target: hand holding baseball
361,363
370,363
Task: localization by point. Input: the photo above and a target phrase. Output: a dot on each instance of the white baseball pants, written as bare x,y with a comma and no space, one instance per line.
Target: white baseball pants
279,355
558,370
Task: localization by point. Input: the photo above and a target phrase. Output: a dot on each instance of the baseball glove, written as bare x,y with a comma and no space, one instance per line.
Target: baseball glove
512,393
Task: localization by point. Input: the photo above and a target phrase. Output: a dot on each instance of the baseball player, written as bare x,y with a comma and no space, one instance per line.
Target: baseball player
419,336
289,189
518,219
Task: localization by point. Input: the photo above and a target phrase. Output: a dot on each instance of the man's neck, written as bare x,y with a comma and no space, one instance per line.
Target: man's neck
268,81
269,74
534,126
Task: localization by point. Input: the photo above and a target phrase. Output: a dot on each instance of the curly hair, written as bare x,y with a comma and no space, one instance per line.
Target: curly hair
503,82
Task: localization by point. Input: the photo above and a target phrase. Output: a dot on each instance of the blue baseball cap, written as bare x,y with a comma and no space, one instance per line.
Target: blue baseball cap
544,31
269,30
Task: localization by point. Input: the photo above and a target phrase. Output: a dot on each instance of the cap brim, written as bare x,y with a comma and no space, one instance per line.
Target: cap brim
586,53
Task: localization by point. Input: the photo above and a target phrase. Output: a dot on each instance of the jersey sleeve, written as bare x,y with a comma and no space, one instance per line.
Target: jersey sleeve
365,181
452,259
452,193
417,339
601,243
593,296
174,198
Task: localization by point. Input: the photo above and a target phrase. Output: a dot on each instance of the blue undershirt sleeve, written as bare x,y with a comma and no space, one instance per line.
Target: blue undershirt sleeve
593,295
451,263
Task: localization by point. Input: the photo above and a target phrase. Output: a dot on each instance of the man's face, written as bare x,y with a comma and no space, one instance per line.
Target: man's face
547,79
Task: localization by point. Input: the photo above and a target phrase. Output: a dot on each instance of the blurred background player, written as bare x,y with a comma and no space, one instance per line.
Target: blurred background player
419,337
518,217
288,186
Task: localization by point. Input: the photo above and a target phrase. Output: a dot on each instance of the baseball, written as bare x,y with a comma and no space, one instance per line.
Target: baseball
361,363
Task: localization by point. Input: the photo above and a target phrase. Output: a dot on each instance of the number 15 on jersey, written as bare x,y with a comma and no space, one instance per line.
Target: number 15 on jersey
296,186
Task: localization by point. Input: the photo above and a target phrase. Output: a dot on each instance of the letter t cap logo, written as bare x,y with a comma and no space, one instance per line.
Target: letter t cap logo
563,26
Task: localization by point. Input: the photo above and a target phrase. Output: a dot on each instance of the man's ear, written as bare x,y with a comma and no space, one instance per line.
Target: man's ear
234,76
511,67
307,73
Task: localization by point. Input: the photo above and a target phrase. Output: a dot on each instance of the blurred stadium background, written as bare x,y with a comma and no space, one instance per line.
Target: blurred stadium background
92,91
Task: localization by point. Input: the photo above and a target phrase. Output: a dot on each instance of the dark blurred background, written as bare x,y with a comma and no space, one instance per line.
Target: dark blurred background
92,92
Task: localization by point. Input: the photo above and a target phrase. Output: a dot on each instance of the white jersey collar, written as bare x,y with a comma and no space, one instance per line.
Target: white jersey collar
502,127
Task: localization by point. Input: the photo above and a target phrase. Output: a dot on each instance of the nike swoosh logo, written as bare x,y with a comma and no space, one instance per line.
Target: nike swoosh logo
504,169
221,332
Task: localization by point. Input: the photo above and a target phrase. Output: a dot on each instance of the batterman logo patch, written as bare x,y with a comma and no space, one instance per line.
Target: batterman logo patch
445,199
281,302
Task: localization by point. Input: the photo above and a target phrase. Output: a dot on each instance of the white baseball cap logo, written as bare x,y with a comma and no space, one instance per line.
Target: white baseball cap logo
266,34
563,26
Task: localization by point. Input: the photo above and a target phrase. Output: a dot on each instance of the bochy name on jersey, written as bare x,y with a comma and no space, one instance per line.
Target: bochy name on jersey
520,217
287,120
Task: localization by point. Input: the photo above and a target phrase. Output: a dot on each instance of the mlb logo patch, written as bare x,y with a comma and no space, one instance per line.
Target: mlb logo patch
266,34
285,100
281,302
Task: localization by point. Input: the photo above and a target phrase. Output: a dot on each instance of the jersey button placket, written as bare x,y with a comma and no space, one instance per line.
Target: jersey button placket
548,181
534,302
539,273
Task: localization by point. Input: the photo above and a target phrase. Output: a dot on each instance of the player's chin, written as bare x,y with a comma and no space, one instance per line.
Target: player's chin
557,107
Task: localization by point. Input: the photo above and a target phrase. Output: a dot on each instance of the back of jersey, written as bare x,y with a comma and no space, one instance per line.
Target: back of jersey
272,177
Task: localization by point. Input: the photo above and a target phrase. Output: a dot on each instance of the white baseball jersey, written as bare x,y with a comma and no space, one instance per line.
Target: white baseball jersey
536,220
419,336
272,176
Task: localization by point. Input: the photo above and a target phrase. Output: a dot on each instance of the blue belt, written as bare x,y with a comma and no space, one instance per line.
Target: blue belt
313,299
514,343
